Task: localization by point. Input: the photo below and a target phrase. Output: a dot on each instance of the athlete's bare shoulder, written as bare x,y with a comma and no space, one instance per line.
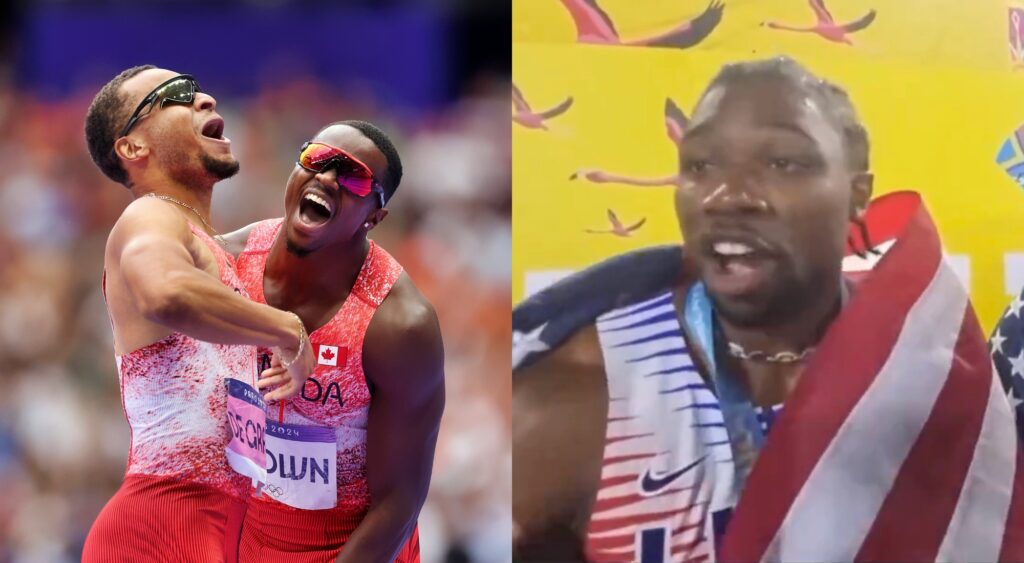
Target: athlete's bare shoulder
405,307
404,335
148,246
234,242
561,407
560,396
147,217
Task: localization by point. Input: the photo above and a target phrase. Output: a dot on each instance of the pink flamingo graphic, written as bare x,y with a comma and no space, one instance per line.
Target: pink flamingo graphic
530,119
618,229
826,26
594,26
675,126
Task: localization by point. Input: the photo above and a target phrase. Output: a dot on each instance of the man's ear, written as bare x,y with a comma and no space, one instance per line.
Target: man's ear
373,219
131,149
861,187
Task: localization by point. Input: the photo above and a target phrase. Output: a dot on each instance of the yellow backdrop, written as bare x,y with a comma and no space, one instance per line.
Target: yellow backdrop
934,82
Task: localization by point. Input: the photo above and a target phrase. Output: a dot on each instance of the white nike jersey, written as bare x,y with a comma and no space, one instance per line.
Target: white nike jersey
668,482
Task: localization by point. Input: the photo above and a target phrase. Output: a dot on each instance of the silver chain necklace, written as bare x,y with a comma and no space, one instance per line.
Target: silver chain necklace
784,357
186,206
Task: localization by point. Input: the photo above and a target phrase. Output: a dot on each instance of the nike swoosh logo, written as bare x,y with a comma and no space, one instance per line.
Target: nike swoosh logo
651,483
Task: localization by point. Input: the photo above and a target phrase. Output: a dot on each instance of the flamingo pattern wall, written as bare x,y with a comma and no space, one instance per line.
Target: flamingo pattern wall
676,123
826,25
594,26
909,66
530,119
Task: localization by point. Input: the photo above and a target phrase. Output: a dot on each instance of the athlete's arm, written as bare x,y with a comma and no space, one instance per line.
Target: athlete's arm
403,358
150,247
561,406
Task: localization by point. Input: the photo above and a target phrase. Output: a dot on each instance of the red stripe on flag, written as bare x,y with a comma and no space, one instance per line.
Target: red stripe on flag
833,382
1013,534
914,517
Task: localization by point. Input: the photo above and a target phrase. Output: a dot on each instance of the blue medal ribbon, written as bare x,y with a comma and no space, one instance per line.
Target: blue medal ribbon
745,435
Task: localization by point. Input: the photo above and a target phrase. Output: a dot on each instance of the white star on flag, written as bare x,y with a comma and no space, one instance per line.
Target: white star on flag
1015,307
1017,364
997,341
1014,401
525,343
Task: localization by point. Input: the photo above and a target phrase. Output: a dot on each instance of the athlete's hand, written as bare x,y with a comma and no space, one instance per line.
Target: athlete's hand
287,382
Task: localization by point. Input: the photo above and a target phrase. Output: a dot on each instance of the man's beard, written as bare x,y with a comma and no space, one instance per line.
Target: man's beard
184,170
296,250
789,295
774,310
220,169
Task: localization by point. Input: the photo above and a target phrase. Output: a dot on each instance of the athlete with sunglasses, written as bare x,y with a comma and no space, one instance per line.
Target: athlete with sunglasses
184,330
349,459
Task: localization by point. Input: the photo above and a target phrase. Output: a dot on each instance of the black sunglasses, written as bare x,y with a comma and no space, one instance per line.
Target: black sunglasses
180,90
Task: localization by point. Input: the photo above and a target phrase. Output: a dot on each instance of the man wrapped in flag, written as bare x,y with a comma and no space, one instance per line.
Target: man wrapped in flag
784,387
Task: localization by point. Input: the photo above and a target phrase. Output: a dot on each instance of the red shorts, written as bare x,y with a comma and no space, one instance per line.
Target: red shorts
275,533
165,519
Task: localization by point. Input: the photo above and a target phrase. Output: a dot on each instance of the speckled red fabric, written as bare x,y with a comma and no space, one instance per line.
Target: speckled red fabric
175,401
335,395
176,404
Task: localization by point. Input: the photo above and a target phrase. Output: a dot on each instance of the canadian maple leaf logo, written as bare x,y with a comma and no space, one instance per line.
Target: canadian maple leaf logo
331,355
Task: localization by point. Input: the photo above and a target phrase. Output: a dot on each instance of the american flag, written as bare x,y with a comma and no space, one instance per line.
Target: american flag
898,443
1007,347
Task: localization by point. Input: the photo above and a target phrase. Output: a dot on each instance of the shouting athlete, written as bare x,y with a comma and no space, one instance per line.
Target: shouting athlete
804,380
349,459
184,329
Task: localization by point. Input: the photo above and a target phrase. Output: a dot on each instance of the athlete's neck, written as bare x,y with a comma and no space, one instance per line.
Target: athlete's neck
768,382
195,197
801,330
326,274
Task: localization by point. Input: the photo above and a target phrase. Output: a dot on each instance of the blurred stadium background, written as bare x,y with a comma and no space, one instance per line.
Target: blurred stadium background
434,75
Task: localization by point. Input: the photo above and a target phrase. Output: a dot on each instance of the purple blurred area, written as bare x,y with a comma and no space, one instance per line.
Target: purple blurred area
434,75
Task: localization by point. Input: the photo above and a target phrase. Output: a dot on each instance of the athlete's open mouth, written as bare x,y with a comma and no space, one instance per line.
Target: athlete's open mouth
738,263
214,129
315,208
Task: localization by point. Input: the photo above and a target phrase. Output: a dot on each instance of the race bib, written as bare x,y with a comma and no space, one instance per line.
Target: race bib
247,417
302,465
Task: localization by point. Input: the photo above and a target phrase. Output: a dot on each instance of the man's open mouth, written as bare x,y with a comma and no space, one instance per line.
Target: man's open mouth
315,209
737,263
214,129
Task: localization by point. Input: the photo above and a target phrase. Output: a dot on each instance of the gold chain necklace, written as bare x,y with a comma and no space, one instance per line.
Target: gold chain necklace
784,357
186,206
